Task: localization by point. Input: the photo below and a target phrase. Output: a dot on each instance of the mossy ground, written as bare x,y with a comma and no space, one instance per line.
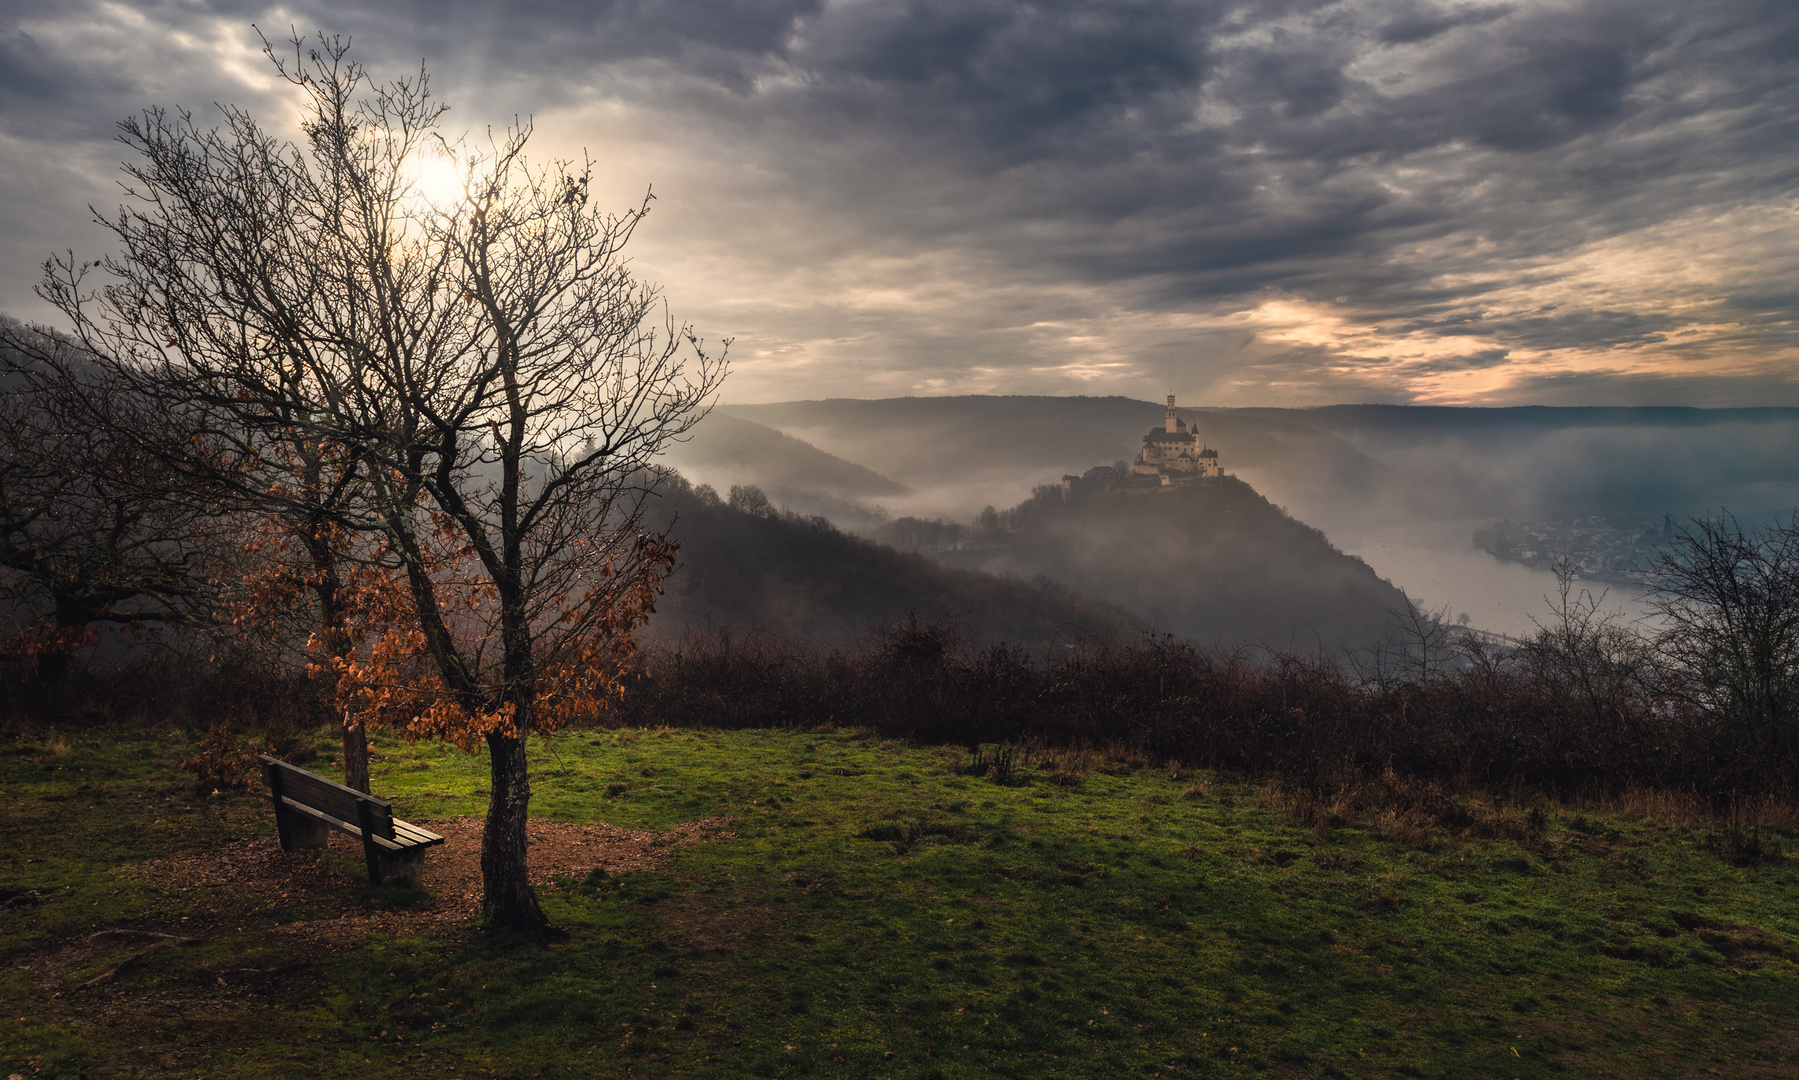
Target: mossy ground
880,914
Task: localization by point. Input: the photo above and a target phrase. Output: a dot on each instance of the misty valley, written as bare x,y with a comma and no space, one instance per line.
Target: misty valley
1257,563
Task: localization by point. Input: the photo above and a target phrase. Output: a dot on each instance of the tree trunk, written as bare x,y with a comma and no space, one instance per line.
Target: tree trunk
53,664
356,754
52,673
328,587
507,901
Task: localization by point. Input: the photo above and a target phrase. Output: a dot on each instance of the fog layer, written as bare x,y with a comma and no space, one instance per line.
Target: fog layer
1336,464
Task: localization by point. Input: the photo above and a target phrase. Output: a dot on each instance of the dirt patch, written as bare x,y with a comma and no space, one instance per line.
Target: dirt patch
703,926
96,959
1743,944
259,870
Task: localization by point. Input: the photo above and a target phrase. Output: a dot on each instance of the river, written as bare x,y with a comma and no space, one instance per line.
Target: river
1438,566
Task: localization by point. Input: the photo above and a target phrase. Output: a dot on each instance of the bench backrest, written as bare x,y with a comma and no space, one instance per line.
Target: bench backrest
328,797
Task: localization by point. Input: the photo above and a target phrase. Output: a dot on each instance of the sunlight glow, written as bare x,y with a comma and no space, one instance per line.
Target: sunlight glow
435,179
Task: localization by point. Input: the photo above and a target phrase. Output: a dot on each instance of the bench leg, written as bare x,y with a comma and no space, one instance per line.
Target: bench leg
403,867
306,831
296,830
371,852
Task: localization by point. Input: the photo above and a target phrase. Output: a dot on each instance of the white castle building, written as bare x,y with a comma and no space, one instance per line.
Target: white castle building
1172,455
1174,452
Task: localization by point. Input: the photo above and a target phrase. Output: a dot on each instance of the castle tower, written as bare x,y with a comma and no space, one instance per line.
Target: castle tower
1169,424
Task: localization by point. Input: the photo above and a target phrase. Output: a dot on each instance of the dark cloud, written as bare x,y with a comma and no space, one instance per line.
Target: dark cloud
1486,358
1420,169
1594,328
47,95
1413,23
1020,81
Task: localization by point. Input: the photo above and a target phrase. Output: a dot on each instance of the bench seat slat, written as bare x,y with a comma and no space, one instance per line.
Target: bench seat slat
406,831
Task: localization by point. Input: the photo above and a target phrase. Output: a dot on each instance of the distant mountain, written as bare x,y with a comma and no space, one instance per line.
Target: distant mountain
932,441
805,579
1334,464
725,442
1546,462
1213,561
965,451
1424,422
724,450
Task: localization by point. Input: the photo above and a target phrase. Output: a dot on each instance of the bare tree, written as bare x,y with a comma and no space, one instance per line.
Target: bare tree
1586,656
751,500
1419,648
302,565
488,357
1730,602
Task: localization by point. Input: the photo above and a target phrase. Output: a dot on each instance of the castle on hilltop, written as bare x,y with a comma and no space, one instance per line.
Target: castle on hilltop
1174,452
1172,455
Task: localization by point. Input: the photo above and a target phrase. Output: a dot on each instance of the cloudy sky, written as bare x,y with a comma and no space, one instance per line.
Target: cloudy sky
1278,202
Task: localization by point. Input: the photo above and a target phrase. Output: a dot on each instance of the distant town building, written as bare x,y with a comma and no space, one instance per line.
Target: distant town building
1174,452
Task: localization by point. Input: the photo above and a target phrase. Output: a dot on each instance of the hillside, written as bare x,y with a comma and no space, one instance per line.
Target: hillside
803,578
830,902
1215,562
724,450
932,441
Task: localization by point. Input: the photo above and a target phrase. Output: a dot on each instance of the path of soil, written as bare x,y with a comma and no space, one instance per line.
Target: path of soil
259,869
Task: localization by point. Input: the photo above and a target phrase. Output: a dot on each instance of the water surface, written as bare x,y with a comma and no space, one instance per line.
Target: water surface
1438,566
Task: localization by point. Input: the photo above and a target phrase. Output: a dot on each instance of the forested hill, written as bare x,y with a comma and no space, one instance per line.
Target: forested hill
802,578
1213,561
748,452
725,450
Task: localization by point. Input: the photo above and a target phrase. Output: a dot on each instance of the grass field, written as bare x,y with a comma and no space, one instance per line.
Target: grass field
882,914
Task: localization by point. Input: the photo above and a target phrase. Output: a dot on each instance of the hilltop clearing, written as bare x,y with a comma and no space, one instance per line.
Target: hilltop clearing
864,908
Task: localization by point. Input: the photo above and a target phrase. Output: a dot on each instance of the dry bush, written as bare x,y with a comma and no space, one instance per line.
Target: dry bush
48,743
1398,826
225,757
1329,858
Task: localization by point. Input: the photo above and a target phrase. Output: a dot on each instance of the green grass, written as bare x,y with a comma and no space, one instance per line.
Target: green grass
881,915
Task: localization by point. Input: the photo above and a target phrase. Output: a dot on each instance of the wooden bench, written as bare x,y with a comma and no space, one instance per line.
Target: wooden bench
308,805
